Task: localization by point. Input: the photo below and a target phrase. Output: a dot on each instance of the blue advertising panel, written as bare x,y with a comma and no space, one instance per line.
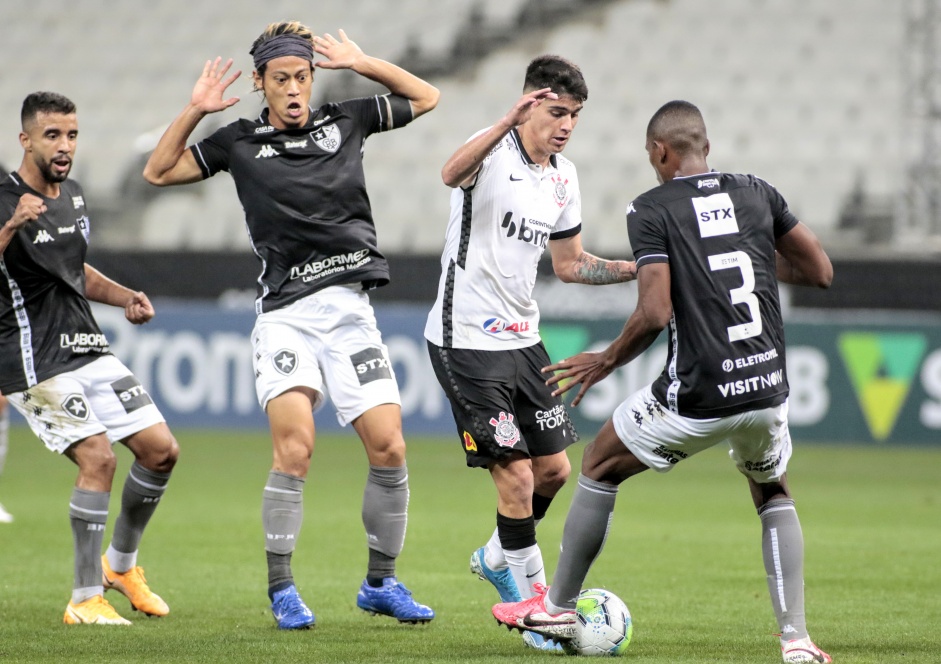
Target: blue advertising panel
859,378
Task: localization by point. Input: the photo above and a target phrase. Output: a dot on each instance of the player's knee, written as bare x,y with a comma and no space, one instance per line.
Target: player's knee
548,480
386,451
97,461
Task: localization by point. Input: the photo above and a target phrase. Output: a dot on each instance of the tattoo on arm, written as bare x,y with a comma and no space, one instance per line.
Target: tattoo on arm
598,271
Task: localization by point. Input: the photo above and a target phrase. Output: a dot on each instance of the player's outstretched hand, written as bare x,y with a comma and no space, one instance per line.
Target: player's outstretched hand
138,309
210,88
28,208
523,109
585,368
340,54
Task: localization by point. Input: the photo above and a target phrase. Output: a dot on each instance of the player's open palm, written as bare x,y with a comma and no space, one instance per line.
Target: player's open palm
210,89
340,53
523,109
585,369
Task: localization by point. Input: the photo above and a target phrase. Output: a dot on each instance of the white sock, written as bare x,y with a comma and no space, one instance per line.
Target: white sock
527,569
494,557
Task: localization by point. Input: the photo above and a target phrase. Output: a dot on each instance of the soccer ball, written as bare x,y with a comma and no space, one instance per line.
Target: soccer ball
604,625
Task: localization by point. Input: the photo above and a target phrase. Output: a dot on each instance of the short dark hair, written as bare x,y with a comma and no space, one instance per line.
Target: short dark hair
44,102
680,125
553,71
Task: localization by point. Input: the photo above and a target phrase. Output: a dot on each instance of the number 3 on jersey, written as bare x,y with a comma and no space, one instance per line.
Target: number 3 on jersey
742,295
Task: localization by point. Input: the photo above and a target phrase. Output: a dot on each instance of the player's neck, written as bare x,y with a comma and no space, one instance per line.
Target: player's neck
33,178
692,166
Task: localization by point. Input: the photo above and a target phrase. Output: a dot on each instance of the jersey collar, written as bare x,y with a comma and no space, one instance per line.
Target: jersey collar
518,140
263,118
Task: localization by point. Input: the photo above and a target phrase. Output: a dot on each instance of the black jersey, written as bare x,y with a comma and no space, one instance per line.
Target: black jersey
304,195
726,343
46,323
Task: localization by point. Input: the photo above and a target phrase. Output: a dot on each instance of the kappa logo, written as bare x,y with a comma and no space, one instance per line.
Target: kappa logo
76,407
285,361
630,208
43,236
506,433
266,152
78,202
327,138
881,368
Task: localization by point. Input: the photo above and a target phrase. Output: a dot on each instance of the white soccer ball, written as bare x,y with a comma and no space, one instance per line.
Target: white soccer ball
604,625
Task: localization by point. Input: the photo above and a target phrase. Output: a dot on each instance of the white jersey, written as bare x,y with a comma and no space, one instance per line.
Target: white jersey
498,230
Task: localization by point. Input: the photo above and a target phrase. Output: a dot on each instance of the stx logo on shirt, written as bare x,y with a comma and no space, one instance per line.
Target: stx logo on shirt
526,233
43,236
266,152
716,215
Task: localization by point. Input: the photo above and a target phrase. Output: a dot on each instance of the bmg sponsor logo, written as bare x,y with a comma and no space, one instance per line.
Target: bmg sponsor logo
530,231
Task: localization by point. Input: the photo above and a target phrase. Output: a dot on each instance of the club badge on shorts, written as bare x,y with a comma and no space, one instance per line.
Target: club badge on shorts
76,407
506,433
285,361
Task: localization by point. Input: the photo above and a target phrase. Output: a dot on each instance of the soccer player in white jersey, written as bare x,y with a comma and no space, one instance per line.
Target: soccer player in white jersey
299,176
710,248
57,371
513,196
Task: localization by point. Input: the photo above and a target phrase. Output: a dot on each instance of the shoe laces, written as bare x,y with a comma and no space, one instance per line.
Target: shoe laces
102,606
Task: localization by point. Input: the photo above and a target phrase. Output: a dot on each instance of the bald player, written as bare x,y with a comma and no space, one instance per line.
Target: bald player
710,248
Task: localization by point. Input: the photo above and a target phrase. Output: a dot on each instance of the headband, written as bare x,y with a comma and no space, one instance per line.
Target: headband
282,45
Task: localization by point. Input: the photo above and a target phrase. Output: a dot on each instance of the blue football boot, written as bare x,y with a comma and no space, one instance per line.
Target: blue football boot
502,580
289,610
394,600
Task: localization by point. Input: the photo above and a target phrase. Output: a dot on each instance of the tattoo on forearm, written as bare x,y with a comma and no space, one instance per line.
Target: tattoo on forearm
597,271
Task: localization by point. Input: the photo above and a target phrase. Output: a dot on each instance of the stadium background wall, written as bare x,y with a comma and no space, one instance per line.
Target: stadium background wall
860,283
858,377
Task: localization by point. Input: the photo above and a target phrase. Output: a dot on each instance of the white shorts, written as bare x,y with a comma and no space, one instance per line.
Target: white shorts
759,439
327,341
101,397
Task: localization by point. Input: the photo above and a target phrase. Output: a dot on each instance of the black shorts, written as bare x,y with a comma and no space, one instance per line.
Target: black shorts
501,402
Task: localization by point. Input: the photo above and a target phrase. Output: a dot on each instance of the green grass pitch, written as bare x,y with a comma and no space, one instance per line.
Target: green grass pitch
684,553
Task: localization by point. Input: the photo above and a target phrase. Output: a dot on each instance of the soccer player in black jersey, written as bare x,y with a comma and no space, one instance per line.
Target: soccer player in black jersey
57,371
710,248
299,176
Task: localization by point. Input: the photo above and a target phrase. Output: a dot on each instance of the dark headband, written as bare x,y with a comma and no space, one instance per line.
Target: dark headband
282,45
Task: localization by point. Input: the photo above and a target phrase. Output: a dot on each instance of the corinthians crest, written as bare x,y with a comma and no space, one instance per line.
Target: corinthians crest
559,192
506,433
327,138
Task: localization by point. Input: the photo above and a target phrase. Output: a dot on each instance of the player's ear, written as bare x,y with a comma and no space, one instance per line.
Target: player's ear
705,150
24,141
